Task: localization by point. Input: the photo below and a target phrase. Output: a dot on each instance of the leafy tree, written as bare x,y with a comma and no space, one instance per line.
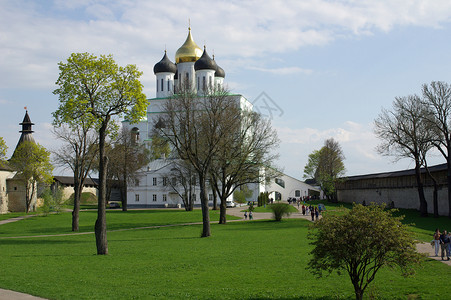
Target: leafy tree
53,200
279,210
405,134
360,243
240,195
437,98
326,166
78,152
96,89
32,163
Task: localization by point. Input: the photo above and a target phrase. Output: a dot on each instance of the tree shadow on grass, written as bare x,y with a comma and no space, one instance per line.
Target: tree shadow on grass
299,298
39,241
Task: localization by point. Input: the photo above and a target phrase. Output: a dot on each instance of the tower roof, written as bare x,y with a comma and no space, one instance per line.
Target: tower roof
27,131
219,71
164,65
189,51
205,62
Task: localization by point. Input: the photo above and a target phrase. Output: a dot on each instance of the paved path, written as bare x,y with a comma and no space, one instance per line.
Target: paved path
236,211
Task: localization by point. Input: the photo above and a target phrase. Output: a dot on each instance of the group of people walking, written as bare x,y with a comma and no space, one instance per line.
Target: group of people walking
442,240
313,210
251,217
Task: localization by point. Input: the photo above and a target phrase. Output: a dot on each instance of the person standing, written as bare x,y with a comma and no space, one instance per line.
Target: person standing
303,209
316,213
251,217
444,242
436,241
245,216
312,213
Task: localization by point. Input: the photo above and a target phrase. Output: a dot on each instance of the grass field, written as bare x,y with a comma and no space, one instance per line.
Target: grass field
241,260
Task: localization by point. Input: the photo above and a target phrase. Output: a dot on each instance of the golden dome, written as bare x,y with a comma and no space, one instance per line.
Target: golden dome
189,51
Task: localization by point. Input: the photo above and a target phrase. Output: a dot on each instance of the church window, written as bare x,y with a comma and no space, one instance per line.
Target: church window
154,198
165,198
169,85
165,181
135,135
210,197
161,84
198,83
154,181
174,181
209,83
203,83
136,197
297,193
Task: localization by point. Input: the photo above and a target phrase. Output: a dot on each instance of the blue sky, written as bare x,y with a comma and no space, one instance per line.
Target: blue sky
328,67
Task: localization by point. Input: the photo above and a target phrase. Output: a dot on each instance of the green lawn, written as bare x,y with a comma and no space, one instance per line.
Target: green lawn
241,260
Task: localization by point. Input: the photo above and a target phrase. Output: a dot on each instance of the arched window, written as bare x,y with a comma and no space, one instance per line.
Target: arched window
203,83
161,84
135,135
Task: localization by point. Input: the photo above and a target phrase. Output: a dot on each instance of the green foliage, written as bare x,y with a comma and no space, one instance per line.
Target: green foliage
53,200
32,163
86,198
279,210
160,147
3,149
263,199
240,196
251,207
360,242
326,166
96,88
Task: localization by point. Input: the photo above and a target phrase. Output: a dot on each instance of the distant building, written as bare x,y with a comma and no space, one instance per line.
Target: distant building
12,190
396,188
66,183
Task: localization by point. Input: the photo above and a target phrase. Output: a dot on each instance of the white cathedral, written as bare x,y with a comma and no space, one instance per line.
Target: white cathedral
195,68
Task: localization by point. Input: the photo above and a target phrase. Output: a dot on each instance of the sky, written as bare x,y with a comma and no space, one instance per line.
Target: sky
319,68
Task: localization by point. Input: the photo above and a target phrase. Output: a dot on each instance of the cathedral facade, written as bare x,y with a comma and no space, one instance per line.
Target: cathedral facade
195,69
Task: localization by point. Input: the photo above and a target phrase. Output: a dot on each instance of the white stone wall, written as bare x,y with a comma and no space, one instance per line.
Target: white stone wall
402,197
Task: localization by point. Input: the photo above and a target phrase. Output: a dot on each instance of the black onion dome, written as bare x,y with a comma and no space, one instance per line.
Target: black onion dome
164,65
205,62
219,72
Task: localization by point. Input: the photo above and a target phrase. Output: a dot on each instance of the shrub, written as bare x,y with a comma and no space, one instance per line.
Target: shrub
279,210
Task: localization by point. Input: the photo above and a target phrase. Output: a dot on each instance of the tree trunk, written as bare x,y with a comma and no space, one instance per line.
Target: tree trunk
124,194
223,211
100,226
215,199
423,203
204,205
435,193
78,187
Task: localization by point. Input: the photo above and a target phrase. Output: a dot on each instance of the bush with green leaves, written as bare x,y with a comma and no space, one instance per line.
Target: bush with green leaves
361,242
280,210
53,200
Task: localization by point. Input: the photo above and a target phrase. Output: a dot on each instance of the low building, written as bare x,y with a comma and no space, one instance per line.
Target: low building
66,183
396,188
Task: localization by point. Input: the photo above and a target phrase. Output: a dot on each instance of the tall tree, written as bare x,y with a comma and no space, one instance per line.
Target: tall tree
194,127
32,163
126,157
405,134
245,156
96,89
360,243
326,165
78,153
437,97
